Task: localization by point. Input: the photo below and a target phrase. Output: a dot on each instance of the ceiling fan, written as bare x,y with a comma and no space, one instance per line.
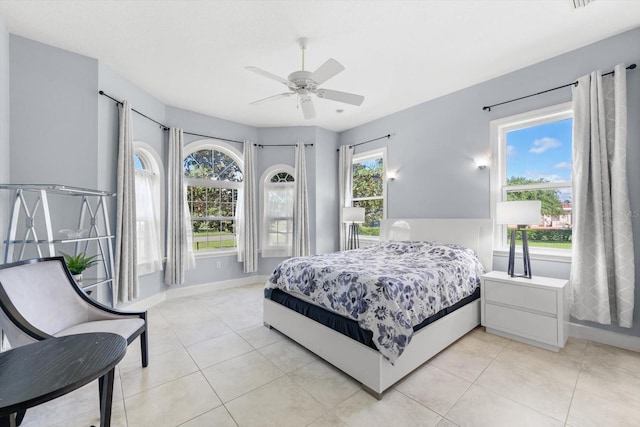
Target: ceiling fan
304,84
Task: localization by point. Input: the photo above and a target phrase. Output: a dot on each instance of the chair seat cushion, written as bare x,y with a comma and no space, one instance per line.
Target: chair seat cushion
123,327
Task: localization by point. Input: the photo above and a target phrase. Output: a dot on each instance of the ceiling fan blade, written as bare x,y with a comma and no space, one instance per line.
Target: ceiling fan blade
308,110
267,75
336,95
271,98
326,71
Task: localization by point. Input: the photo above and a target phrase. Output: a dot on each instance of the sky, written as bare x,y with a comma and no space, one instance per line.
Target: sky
542,151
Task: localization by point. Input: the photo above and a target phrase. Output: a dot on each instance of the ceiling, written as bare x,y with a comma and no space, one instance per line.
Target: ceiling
193,54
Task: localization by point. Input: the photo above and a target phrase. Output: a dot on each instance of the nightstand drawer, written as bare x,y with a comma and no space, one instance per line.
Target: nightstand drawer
542,300
522,323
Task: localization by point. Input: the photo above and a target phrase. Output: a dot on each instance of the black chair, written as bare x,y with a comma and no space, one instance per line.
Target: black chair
39,299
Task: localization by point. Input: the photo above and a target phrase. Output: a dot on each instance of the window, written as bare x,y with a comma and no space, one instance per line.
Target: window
369,190
213,175
148,181
278,190
532,161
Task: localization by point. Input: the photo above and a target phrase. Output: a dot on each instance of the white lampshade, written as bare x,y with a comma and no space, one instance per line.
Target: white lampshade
353,215
521,212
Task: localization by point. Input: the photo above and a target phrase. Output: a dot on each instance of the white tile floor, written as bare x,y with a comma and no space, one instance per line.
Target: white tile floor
212,363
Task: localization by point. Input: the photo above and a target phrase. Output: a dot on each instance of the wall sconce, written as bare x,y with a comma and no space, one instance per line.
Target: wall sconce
481,163
391,175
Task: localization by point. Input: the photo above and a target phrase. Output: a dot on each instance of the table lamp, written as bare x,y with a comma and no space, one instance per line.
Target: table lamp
353,217
520,213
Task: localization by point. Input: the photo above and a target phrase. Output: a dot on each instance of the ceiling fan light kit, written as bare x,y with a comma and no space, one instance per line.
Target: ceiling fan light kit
305,83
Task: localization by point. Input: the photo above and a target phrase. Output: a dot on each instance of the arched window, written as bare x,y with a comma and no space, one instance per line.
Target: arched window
213,174
277,219
148,178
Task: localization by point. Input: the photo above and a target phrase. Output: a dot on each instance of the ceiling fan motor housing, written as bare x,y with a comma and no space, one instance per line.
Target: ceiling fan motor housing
301,81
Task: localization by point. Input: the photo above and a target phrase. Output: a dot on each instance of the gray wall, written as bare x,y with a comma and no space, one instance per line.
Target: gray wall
434,142
326,188
5,171
53,124
54,115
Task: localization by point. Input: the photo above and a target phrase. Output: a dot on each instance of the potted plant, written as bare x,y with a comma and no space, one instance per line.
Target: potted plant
78,263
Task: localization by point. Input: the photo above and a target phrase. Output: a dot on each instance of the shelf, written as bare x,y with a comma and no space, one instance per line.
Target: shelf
31,231
57,189
94,283
82,239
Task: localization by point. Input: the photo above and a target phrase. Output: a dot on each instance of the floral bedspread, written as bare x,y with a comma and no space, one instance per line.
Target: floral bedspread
388,288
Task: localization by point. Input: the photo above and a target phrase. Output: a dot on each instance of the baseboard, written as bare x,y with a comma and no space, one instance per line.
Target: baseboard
602,336
188,291
145,304
262,279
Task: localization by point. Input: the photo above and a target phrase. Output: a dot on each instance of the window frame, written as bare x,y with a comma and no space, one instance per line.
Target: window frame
497,134
152,163
236,155
368,155
269,251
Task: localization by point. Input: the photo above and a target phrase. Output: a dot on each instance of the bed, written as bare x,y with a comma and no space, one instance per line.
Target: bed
378,370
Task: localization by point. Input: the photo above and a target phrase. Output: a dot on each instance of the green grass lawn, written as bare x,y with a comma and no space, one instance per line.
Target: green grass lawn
206,240
547,244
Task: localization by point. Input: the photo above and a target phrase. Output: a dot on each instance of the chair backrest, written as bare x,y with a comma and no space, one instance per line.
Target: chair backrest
43,295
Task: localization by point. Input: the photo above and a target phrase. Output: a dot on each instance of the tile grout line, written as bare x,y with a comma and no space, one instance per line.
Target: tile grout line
575,386
474,381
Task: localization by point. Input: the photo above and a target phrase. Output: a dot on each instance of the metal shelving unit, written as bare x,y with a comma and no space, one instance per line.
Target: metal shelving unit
30,227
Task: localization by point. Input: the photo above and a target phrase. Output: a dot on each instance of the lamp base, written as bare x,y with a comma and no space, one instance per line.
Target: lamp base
353,241
526,259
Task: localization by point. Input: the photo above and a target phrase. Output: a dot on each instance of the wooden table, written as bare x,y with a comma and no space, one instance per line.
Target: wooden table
39,372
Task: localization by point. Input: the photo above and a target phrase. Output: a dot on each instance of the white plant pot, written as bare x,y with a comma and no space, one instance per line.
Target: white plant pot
78,278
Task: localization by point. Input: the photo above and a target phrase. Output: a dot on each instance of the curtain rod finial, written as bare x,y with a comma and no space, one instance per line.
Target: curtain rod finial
486,108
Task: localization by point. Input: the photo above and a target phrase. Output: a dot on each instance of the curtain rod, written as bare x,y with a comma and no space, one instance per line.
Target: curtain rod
280,145
371,140
489,107
165,127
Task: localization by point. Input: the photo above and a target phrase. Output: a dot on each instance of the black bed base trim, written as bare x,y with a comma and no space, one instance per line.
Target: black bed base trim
349,327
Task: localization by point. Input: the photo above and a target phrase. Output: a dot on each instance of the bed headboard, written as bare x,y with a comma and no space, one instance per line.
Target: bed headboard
476,234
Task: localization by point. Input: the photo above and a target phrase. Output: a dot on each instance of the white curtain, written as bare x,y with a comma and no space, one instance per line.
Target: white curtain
126,276
301,243
602,268
345,183
246,212
179,237
148,222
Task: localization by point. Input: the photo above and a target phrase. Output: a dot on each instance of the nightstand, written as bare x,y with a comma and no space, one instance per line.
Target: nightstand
534,311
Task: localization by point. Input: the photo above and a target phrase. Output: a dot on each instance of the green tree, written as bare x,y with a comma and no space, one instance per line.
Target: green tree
368,181
212,164
368,178
551,205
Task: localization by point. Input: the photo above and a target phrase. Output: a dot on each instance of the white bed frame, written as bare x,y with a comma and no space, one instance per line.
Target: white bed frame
367,365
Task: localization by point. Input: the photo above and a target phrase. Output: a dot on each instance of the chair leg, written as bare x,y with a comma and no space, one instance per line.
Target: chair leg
20,416
105,384
144,347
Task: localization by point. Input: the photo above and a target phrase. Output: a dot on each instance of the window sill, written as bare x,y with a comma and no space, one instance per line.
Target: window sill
214,254
540,255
